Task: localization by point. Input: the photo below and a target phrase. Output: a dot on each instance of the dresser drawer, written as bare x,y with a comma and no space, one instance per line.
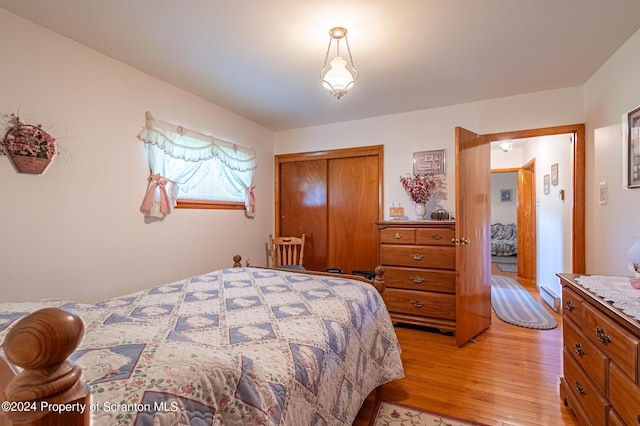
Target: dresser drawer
585,354
572,305
614,341
398,236
624,396
585,391
422,303
615,420
435,236
439,257
441,281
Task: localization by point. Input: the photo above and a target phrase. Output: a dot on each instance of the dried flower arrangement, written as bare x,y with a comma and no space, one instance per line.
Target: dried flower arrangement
30,146
420,187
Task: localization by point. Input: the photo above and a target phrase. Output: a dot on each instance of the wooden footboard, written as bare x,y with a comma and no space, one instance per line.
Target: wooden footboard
48,390
378,281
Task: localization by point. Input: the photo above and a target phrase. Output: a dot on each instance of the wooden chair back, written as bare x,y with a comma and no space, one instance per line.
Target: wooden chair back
286,250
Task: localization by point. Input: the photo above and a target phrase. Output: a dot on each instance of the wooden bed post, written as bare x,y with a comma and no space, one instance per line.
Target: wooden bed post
49,389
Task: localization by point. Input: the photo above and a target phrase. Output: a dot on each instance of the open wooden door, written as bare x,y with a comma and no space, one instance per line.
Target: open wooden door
473,235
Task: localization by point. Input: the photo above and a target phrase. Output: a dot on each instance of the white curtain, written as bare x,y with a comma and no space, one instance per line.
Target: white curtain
180,159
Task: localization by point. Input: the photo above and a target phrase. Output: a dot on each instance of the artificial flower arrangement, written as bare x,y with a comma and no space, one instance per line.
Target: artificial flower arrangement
30,146
420,187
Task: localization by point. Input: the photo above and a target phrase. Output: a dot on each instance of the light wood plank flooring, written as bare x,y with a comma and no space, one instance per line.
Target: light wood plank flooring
509,376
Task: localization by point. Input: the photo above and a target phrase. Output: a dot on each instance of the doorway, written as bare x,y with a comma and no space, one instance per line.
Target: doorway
528,199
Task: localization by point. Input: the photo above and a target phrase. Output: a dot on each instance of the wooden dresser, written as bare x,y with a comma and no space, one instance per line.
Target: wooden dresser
420,261
600,353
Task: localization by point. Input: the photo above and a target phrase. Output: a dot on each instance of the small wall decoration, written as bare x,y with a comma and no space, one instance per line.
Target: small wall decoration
546,180
633,148
554,174
30,146
505,195
429,162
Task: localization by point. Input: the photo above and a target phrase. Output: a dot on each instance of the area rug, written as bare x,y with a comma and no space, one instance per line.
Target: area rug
513,304
392,414
507,267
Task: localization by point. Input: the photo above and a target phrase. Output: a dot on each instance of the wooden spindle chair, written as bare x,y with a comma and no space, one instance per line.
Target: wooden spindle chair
287,251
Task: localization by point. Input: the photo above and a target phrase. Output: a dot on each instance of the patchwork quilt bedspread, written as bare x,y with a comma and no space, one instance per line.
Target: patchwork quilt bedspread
240,346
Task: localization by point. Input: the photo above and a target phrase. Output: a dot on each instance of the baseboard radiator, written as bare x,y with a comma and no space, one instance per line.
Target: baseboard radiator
550,298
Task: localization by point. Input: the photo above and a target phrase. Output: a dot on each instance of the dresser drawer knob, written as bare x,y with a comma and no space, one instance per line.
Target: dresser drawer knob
579,388
417,279
577,347
601,334
417,304
569,306
436,237
397,235
416,256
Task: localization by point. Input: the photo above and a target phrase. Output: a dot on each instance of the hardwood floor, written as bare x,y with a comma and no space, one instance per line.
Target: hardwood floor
509,376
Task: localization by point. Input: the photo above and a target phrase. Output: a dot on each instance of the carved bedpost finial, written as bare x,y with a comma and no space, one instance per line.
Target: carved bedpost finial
40,344
236,261
378,280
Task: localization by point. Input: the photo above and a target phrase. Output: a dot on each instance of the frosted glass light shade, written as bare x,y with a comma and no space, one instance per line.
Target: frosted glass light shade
338,79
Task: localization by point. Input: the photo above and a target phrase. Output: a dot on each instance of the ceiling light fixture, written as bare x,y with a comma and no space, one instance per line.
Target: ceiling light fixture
506,146
338,79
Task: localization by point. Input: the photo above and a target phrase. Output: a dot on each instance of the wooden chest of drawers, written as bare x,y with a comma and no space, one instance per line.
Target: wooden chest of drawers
419,260
601,364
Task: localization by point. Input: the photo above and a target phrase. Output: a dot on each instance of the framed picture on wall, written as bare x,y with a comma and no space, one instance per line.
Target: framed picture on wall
425,162
545,181
505,195
554,174
633,148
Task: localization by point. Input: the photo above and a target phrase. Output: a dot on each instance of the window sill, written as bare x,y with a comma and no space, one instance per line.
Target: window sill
209,205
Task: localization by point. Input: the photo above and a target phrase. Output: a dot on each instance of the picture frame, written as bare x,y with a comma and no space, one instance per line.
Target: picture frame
505,195
633,148
554,174
429,162
546,179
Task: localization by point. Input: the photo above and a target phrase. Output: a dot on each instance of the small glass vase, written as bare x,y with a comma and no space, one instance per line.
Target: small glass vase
421,211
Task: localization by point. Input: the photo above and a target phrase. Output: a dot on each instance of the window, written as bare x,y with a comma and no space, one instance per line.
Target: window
193,170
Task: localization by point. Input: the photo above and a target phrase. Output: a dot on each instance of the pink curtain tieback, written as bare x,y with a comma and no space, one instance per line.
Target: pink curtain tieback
159,182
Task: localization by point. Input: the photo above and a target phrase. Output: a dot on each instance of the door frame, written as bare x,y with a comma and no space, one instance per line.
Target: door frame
578,203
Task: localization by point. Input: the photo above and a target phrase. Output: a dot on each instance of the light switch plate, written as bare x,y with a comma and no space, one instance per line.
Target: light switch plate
602,192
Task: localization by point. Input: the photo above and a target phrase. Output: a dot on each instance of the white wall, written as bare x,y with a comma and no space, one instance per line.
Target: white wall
609,94
403,134
504,211
76,231
553,214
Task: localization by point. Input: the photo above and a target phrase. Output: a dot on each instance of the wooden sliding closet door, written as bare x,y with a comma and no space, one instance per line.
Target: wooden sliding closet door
303,208
334,198
353,213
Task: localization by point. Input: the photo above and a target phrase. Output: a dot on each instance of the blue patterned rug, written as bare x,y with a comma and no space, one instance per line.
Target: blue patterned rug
513,304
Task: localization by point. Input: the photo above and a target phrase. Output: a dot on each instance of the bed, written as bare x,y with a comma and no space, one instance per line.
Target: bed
236,346
504,239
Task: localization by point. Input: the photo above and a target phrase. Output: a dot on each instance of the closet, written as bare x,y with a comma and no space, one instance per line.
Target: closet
334,197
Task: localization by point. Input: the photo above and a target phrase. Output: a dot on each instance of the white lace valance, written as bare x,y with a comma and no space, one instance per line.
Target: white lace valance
189,145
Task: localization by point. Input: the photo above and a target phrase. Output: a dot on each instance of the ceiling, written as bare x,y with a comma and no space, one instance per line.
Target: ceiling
261,58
